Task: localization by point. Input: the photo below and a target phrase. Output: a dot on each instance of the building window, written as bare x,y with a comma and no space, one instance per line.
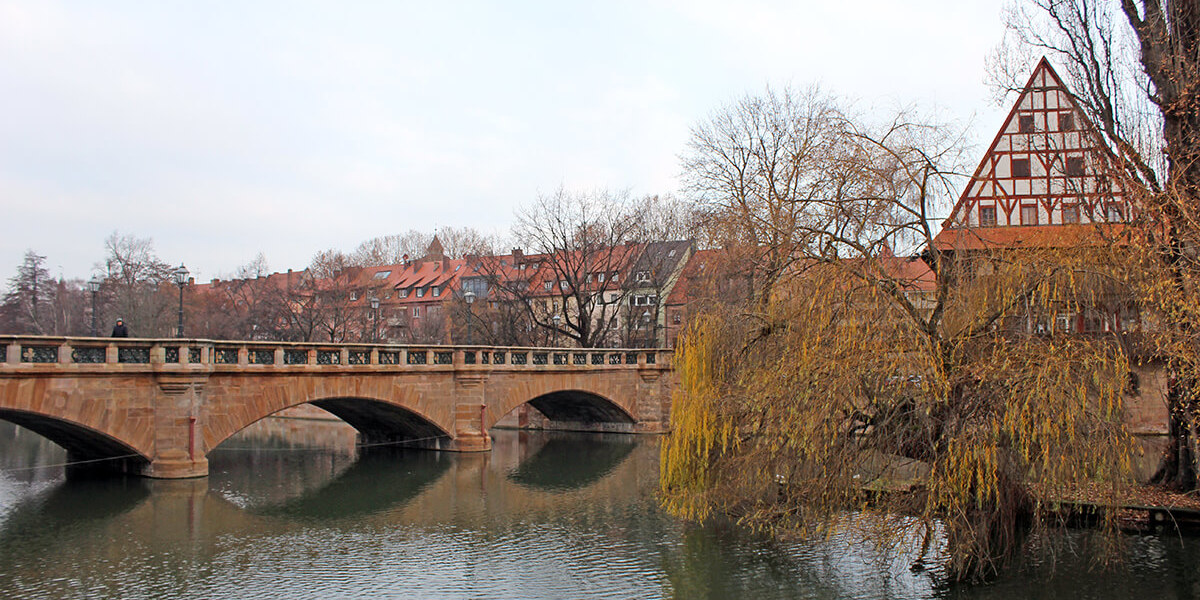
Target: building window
676,318
643,277
615,277
437,291
588,279
647,300
417,311
1066,121
1025,123
1075,166
1070,213
1020,167
404,293
353,296
600,277
420,292
562,284
1029,215
382,274
548,285
1115,213
987,216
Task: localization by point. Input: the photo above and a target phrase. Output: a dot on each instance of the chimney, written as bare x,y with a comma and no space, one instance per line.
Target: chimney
404,260
518,256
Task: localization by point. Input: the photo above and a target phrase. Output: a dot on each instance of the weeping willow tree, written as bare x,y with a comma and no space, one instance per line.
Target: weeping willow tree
943,390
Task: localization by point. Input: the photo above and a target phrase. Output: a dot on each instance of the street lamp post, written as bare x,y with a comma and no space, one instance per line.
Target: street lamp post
181,279
374,319
469,296
557,319
646,324
94,288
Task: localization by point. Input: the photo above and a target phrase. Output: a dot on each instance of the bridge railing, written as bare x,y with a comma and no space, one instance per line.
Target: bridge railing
44,351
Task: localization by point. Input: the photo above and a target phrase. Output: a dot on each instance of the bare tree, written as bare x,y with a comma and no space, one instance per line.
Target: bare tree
752,165
582,244
457,242
133,286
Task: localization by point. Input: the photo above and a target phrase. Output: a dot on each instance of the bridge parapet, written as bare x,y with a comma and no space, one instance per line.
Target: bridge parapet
134,354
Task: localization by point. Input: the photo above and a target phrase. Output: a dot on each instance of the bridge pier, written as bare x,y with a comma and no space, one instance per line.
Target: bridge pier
176,432
470,406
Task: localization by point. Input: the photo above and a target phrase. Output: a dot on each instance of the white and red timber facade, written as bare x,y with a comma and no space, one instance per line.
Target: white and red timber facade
1045,168
1042,184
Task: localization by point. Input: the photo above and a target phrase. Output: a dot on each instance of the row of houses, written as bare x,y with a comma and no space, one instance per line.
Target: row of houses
611,296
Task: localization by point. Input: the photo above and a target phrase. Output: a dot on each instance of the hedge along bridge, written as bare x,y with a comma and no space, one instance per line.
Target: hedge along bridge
156,407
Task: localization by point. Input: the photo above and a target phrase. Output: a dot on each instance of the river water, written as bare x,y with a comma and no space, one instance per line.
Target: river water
292,510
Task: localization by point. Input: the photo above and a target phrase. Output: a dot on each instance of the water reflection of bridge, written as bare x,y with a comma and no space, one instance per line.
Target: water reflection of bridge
158,407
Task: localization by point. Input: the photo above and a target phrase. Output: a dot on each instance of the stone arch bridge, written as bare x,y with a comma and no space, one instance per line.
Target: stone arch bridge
157,407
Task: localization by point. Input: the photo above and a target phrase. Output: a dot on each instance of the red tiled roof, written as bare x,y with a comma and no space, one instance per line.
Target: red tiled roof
1029,236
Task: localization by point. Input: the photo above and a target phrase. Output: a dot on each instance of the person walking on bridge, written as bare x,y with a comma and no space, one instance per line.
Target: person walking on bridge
119,329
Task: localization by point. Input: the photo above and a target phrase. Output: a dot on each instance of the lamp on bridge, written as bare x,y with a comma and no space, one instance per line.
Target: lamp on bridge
374,318
180,275
94,288
469,296
557,319
646,324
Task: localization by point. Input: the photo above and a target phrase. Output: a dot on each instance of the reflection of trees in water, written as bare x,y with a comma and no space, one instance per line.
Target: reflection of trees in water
379,480
572,461
79,510
720,559
277,458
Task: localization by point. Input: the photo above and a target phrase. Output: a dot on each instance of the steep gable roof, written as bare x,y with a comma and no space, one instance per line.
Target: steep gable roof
1045,168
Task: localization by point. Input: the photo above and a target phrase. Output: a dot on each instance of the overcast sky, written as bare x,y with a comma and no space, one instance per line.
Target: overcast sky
222,130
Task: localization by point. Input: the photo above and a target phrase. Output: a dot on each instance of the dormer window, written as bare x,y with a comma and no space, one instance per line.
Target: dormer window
1075,166
548,285
987,216
1020,167
420,292
562,284
643,277
437,291
1025,123
404,293
1066,121
353,296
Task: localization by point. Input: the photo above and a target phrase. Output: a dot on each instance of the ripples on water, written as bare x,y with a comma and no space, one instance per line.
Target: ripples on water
292,511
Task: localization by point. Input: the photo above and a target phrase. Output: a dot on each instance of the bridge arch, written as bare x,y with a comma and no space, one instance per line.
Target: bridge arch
377,420
569,398
100,450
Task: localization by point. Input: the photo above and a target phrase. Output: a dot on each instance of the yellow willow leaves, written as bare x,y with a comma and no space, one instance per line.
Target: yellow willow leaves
699,435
